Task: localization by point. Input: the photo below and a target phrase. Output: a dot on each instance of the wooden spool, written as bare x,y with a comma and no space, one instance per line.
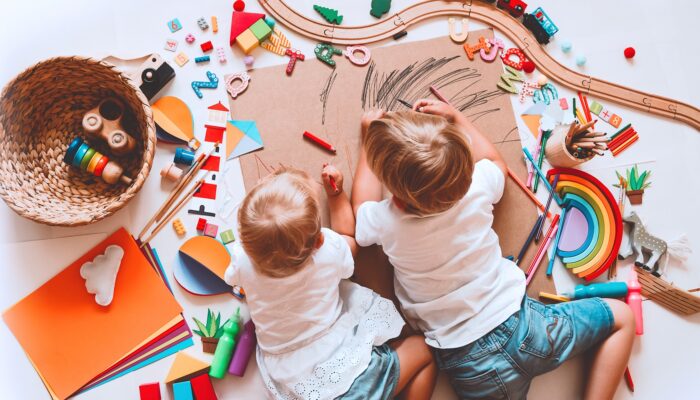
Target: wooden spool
556,152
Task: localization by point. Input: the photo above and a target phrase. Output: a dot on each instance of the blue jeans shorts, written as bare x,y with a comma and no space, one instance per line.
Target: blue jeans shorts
379,380
536,339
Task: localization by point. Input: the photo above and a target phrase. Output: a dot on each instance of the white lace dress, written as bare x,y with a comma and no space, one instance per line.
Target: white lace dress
315,329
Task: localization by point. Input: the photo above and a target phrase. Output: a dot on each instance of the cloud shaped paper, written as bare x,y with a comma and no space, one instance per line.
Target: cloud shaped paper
100,274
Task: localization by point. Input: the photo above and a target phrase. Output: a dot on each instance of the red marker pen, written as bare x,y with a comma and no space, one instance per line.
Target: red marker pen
333,185
319,141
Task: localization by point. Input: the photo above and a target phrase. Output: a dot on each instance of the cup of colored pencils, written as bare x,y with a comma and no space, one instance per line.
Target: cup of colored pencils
573,144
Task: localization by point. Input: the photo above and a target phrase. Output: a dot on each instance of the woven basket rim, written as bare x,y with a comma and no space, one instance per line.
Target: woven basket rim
137,181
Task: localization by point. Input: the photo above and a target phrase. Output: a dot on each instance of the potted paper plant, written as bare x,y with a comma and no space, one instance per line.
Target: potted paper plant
634,184
210,332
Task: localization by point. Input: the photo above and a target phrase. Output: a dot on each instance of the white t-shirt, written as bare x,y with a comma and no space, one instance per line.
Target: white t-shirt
450,276
315,329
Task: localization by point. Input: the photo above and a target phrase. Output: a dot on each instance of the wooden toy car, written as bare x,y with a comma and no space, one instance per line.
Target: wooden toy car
540,25
516,8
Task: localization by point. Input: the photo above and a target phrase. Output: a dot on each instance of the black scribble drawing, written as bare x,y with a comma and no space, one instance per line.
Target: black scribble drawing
383,89
326,92
507,139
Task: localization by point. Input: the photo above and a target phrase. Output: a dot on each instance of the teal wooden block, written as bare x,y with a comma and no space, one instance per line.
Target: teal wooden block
261,30
227,236
183,391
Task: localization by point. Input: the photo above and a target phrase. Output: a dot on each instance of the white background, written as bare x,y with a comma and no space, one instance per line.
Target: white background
664,360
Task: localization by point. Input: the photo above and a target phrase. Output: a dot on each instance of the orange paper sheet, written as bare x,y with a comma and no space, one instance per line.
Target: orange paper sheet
70,339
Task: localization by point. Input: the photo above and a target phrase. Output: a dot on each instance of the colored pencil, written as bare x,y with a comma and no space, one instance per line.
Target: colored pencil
628,379
333,184
597,139
320,142
573,108
524,188
405,103
560,231
624,146
546,207
536,178
554,297
540,158
538,170
532,270
530,236
622,138
530,175
437,94
624,128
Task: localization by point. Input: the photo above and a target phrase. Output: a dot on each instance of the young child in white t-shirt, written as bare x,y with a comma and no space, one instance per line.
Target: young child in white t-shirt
451,279
319,335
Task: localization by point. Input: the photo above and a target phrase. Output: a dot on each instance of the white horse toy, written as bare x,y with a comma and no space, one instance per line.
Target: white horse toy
641,241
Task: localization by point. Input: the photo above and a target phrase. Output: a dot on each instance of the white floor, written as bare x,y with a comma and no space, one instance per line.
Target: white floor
664,360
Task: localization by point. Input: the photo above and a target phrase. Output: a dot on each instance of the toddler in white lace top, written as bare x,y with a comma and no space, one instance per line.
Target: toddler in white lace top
320,336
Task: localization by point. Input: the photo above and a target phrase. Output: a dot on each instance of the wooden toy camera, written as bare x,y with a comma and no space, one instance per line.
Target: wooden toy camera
104,122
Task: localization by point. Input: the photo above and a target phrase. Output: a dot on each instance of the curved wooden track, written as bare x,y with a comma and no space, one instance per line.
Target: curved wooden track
509,26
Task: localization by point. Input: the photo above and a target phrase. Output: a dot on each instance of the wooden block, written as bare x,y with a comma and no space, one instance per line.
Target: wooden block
595,107
170,45
150,391
201,223
202,388
605,114
615,120
261,30
182,391
181,59
247,41
227,236
174,25
185,367
206,46
210,230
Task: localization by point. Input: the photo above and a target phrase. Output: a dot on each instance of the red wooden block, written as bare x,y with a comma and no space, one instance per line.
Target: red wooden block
201,223
212,163
214,134
206,46
206,191
150,391
202,388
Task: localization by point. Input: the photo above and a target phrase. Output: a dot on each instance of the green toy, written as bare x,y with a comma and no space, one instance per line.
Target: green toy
329,14
325,52
380,7
224,350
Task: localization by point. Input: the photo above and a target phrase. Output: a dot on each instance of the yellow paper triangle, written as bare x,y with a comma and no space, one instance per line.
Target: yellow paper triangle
533,123
185,367
233,136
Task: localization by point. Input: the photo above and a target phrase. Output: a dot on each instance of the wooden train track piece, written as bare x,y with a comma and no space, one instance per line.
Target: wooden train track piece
500,20
667,295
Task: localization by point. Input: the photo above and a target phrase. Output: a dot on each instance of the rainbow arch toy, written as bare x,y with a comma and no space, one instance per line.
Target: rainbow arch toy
592,229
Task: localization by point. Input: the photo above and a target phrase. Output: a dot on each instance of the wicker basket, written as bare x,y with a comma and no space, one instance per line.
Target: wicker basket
40,113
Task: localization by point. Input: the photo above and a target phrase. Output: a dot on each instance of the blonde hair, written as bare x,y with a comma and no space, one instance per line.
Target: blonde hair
422,159
280,222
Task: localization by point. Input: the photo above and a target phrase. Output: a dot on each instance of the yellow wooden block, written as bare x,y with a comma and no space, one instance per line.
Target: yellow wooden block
247,41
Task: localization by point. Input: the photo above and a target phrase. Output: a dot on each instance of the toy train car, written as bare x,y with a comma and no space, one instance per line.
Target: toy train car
540,25
516,8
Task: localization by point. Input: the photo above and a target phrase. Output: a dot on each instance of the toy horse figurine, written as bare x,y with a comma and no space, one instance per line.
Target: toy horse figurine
640,240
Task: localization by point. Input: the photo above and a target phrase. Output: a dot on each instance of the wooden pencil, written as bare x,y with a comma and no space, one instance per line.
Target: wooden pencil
173,212
437,94
596,139
532,270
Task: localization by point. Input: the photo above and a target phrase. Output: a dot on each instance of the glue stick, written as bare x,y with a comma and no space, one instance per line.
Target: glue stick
609,289
246,345
224,350
634,300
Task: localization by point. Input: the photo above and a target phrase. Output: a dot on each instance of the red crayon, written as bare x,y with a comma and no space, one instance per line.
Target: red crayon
319,141
628,379
333,185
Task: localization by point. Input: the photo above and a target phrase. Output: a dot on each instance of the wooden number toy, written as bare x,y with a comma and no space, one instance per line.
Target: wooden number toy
325,52
350,53
104,122
82,156
212,84
235,90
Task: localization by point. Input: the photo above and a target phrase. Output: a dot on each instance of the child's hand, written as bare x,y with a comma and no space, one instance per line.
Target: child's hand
367,119
436,107
332,180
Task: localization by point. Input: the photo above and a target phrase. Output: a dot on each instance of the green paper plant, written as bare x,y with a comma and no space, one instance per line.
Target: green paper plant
633,180
213,328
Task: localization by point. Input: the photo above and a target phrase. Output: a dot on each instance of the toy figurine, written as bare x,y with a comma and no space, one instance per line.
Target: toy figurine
640,240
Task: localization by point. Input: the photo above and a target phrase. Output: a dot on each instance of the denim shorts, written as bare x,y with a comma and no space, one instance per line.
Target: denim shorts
536,339
379,380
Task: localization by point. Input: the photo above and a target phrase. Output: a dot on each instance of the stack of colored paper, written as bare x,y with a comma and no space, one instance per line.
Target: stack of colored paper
76,344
